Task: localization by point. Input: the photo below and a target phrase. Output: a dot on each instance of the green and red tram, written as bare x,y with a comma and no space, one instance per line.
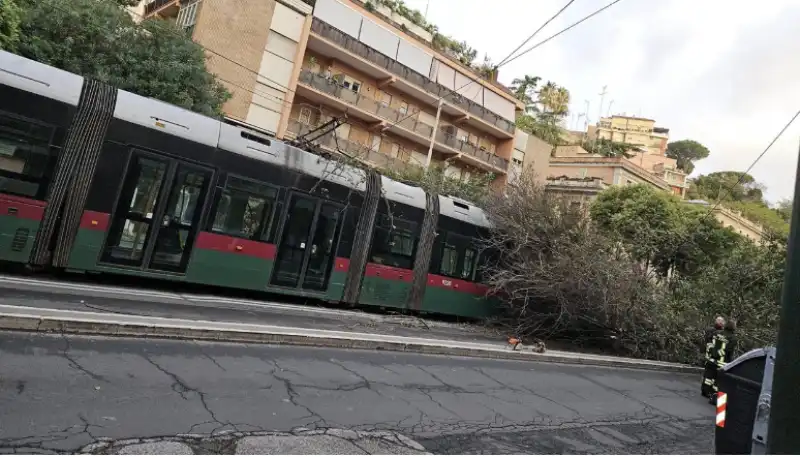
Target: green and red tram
99,180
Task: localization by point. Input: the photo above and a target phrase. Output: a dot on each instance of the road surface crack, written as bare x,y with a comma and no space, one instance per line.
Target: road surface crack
180,387
74,364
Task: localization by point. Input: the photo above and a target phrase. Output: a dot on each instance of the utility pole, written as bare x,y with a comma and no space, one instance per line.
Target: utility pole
783,437
427,5
610,104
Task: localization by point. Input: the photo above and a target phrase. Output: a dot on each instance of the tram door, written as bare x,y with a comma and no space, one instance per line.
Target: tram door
157,214
307,244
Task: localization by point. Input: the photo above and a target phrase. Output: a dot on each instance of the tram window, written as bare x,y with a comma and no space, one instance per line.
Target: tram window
449,260
24,157
454,256
487,258
394,242
468,265
244,208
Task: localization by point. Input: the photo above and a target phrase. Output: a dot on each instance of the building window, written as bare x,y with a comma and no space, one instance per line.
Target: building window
376,142
305,115
403,108
384,98
187,17
352,84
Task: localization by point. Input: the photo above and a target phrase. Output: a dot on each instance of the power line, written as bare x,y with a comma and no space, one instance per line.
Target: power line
496,67
570,2
178,34
452,91
753,164
238,64
563,31
441,98
689,236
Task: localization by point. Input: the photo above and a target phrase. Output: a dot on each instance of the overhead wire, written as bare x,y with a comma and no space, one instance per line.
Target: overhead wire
573,25
752,164
536,32
507,61
441,97
452,91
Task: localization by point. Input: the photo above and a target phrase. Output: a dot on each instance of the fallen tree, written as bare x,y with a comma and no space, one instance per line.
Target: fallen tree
561,277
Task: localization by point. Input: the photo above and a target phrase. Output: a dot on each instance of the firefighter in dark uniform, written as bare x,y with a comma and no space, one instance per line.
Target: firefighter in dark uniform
709,375
724,343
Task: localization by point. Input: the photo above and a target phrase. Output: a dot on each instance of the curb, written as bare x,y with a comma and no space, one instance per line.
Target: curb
32,323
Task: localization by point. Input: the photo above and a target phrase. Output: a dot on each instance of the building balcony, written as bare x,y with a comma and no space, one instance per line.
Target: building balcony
330,41
319,89
162,8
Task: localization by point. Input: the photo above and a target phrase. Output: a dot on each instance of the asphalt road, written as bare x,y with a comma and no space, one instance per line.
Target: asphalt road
61,393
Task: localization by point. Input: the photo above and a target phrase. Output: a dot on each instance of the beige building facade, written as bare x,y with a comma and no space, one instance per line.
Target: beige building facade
733,220
531,155
649,146
292,67
637,131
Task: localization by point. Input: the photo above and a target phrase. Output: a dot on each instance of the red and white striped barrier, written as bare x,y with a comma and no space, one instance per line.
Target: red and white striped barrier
722,404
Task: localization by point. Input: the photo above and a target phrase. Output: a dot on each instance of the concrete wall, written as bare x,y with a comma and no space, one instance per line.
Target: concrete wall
280,67
537,158
738,225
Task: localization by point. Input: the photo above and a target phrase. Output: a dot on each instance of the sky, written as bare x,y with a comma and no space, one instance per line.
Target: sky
724,73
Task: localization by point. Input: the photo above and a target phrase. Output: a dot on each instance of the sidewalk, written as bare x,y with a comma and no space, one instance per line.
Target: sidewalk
85,308
94,323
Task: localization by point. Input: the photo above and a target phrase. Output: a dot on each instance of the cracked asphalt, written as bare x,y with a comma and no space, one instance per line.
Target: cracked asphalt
61,393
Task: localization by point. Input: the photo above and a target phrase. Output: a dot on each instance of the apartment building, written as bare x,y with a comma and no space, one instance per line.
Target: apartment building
637,131
649,146
293,66
531,155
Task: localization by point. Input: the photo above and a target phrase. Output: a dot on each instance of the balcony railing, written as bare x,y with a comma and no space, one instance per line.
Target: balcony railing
156,5
470,149
359,151
360,49
331,87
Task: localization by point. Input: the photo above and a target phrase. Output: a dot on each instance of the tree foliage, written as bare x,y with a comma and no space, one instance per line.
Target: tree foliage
687,152
435,180
645,278
544,116
742,193
525,89
554,99
609,148
10,18
542,125
727,186
660,230
784,209
98,39
555,275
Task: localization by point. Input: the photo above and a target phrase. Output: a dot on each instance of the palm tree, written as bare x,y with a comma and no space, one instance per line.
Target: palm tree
554,99
524,88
